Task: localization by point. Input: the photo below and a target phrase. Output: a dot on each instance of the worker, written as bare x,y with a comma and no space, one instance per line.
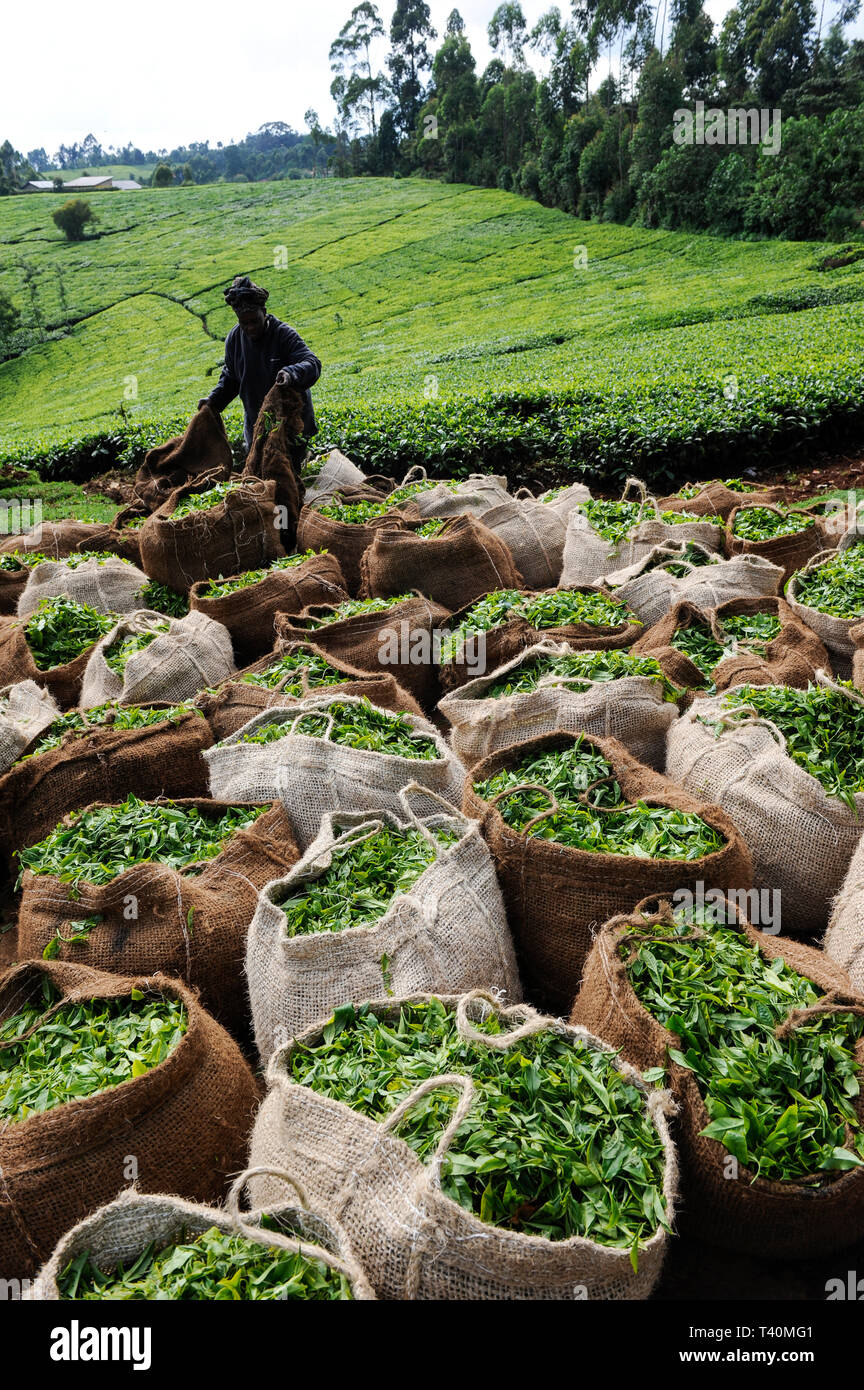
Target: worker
260,352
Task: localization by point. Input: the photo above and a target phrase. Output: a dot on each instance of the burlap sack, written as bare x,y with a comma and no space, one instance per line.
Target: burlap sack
234,703
651,592
857,635
557,896
792,658
193,654
589,558
563,502
249,613
313,776
716,499
59,538
324,477
184,1122
474,496
449,931
204,448
25,710
119,1233
109,586
189,925
12,586
801,839
631,709
844,939
741,1211
414,1242
17,664
836,633
125,538
497,647
534,535
791,553
276,433
453,568
161,759
240,533
399,642
348,541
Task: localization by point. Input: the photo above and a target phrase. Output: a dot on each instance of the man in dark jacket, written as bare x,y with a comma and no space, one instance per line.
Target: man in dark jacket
260,352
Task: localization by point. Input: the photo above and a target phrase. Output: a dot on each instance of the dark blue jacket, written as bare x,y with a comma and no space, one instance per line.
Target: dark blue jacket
251,366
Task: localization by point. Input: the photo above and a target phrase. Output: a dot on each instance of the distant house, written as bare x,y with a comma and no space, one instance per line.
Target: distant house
93,183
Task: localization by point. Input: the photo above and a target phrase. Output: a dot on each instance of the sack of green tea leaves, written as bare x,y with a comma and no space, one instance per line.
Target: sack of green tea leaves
105,583
143,1247
204,448
580,830
471,496
749,641
397,636
719,498
126,532
14,573
147,657
97,1070
487,634
327,474
787,538
139,886
55,539
206,529
786,766
553,1178
605,537
391,905
103,753
563,499
247,604
293,672
25,710
450,561
534,536
332,753
844,939
276,438
828,595
551,688
52,647
764,1061
670,575
346,527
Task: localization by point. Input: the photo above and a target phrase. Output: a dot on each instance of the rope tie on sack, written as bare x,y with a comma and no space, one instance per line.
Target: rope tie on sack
342,1263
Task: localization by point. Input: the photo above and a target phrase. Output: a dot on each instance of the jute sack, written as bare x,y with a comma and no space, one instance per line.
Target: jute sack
249,613
162,759
17,664
12,585
631,709
473,496
562,502
204,448
186,1121
534,535
491,650
747,1213
716,499
25,710
650,592
556,896
789,552
801,839
857,636
193,654
120,1233
399,642
347,540
59,538
844,939
791,658
325,477
448,931
314,776
463,561
231,705
110,586
125,538
192,925
240,533
836,633
413,1241
275,437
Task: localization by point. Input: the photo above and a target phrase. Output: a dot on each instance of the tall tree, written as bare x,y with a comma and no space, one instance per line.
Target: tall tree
410,34
356,88
508,32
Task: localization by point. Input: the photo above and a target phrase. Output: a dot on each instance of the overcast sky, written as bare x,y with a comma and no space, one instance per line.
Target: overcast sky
168,72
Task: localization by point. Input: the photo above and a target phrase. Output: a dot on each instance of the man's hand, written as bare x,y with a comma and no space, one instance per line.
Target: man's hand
285,377
203,401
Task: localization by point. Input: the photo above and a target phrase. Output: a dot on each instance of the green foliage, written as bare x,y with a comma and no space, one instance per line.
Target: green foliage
765,523
122,648
360,725
581,666
783,1107
61,629
203,501
220,588
752,631
97,845
73,218
83,1048
557,608
159,598
835,587
78,722
557,1143
354,607
296,665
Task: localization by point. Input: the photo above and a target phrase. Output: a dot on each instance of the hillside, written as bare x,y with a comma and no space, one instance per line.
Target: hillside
452,323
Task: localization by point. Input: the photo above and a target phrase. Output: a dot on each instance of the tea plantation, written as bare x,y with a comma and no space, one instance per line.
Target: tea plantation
458,327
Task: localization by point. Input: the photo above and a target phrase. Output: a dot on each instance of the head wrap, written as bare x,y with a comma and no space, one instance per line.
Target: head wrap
243,294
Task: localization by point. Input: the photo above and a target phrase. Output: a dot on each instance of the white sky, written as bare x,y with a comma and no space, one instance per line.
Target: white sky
166,73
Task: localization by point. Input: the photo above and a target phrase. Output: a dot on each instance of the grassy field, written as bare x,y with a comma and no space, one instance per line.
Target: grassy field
113,171
458,327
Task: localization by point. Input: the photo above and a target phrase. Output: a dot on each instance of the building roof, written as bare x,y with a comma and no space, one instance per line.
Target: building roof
125,183
90,181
